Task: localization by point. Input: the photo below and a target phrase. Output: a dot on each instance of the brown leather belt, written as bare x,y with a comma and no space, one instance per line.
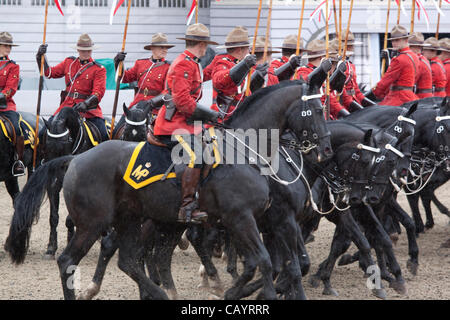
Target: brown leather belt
424,91
439,89
77,95
400,88
146,92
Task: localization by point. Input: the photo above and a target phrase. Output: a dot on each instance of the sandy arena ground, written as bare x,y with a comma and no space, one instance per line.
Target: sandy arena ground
39,279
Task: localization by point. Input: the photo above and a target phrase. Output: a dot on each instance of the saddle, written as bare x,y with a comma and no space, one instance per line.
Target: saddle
8,129
93,133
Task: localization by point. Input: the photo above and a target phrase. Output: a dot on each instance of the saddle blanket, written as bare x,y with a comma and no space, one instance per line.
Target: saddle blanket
27,130
148,164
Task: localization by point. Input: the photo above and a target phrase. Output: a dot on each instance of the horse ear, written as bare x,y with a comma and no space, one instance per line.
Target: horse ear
445,106
46,123
125,109
367,136
412,109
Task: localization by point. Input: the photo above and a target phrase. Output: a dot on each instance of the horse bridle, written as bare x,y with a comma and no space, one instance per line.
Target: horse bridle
306,112
439,129
69,140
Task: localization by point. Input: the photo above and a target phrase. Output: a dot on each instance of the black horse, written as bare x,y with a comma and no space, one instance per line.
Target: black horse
225,194
7,157
67,134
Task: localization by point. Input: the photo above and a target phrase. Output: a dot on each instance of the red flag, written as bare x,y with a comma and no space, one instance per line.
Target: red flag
114,7
191,12
58,6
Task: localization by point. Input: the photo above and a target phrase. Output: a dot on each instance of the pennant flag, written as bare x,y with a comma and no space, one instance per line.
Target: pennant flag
115,6
438,9
58,6
321,10
421,6
191,12
402,7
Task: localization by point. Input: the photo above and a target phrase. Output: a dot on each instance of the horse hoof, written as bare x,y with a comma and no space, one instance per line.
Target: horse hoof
429,225
345,260
314,281
49,256
183,244
330,292
394,238
399,287
310,239
412,267
92,290
379,293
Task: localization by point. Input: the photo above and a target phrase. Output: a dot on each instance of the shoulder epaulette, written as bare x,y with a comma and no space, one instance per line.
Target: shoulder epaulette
72,57
12,61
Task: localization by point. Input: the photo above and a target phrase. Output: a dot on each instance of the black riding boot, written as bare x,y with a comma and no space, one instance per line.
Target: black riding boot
189,207
18,168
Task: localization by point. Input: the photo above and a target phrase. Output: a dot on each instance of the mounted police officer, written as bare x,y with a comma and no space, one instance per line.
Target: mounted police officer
9,82
286,65
229,72
444,46
149,73
316,52
85,82
352,98
424,80
437,67
397,85
174,120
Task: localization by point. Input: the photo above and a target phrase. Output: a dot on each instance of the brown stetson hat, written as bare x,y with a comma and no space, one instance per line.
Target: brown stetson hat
351,38
236,38
198,32
334,49
260,44
85,43
6,39
417,40
290,42
444,44
315,49
159,40
399,32
433,44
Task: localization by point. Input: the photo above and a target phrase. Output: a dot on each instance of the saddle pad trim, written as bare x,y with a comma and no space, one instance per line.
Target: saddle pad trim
131,163
91,138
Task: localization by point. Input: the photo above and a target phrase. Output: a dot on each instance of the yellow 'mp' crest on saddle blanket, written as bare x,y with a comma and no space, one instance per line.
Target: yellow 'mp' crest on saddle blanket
27,131
148,164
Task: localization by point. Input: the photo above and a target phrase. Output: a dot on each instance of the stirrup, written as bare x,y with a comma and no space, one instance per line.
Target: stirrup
16,164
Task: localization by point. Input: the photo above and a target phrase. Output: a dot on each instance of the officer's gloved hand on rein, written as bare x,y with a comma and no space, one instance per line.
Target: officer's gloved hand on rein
295,61
250,60
42,50
262,69
2,101
120,56
80,107
367,102
343,113
371,96
203,113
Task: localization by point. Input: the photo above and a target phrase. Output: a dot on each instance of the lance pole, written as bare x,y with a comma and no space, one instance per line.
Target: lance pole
383,63
41,85
247,90
439,20
119,72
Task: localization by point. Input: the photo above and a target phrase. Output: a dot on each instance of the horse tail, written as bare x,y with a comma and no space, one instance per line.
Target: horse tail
27,206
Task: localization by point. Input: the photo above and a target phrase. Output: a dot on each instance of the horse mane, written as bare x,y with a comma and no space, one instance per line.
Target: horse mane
259,95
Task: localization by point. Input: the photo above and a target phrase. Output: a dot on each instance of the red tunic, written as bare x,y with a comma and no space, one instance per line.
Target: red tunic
150,75
439,77
184,83
335,106
208,71
447,70
424,83
351,89
86,79
223,84
9,81
396,86
279,62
